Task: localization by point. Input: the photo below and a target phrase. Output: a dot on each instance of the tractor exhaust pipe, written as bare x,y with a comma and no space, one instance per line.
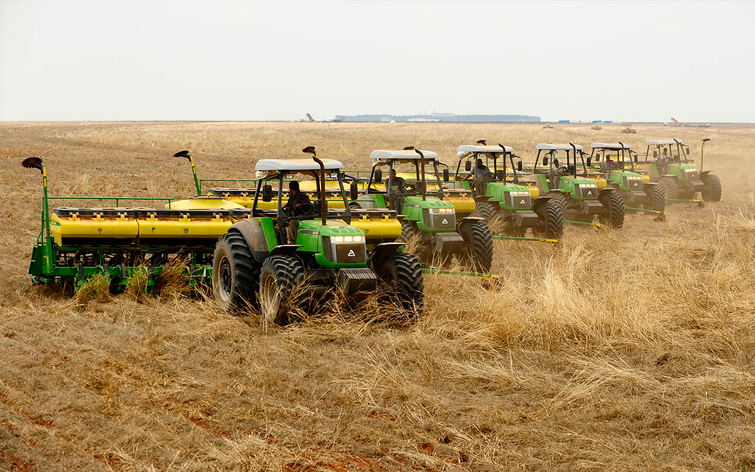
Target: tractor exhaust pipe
705,140
193,169
323,203
421,170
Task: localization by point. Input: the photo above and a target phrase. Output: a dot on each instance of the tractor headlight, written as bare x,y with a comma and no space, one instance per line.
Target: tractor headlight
438,211
348,239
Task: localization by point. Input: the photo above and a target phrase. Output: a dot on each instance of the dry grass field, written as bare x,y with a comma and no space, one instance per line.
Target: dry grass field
616,350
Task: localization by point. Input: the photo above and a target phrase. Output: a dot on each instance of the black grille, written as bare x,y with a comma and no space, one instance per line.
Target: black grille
350,253
587,192
521,201
438,221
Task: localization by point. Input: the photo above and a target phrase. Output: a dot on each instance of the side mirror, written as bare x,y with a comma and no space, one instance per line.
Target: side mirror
545,160
589,161
378,176
468,166
635,158
354,191
499,175
686,150
267,193
655,154
519,166
446,177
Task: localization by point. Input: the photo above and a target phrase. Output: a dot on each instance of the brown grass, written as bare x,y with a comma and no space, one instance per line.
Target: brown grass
616,350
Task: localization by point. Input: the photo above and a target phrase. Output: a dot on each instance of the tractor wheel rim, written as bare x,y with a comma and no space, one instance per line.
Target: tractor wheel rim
225,279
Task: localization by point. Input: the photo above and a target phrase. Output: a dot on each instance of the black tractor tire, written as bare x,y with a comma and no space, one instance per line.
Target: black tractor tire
712,190
235,274
613,210
279,275
656,198
551,220
407,232
562,201
670,187
486,211
401,272
478,245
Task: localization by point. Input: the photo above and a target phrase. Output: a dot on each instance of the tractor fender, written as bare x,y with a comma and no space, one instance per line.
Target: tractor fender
539,202
252,232
605,191
470,219
382,251
482,198
704,173
650,184
672,176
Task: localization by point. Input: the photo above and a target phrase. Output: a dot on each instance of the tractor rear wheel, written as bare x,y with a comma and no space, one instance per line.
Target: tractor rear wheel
279,276
478,245
235,274
712,190
613,209
656,198
669,187
551,219
402,273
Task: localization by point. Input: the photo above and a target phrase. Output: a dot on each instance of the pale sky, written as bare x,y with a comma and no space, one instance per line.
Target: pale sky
260,60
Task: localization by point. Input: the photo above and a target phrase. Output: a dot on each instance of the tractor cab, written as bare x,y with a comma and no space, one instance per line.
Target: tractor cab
402,176
494,160
616,161
670,156
312,216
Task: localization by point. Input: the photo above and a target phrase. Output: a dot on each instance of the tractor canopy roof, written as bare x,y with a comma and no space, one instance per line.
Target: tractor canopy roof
468,149
662,142
382,156
271,167
557,147
610,146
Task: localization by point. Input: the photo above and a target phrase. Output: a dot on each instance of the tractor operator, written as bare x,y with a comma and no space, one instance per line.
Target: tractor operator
478,172
555,174
298,204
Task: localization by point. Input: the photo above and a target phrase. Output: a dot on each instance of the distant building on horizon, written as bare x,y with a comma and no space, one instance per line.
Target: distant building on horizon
441,118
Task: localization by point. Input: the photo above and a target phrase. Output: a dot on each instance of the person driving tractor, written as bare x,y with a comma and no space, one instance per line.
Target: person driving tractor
478,172
298,204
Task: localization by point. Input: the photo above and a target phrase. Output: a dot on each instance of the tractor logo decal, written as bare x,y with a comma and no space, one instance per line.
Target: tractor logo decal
522,202
445,221
352,253
589,192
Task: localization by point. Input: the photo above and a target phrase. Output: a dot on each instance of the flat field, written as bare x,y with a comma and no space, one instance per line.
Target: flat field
616,350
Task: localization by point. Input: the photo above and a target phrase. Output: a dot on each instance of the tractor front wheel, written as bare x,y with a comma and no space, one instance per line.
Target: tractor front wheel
278,278
669,187
656,198
613,210
402,274
478,245
551,219
712,190
235,274
486,211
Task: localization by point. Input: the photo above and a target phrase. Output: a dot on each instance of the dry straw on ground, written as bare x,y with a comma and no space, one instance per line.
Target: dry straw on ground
616,350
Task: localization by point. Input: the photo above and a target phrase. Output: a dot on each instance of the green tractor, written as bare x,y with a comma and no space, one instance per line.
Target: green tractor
616,163
497,198
254,265
424,213
581,198
680,178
